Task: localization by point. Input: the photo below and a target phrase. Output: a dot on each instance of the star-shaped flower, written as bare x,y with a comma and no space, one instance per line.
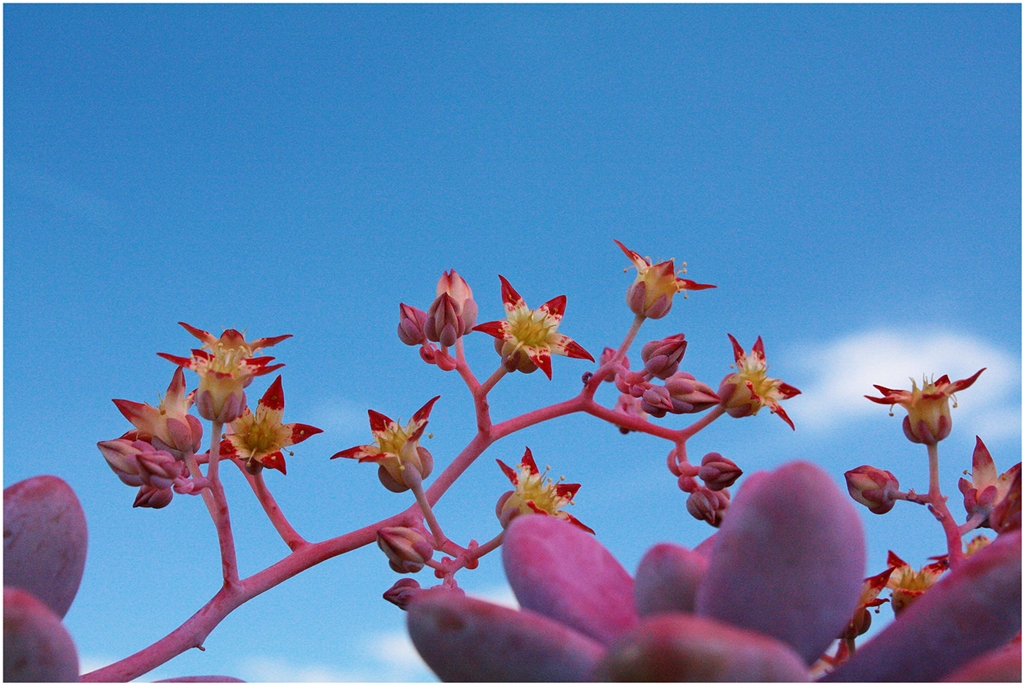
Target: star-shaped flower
928,419
744,393
527,338
535,494
396,448
655,285
169,426
907,584
226,366
260,438
986,490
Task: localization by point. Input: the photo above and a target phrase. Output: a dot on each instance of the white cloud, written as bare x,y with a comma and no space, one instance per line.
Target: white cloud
843,371
340,416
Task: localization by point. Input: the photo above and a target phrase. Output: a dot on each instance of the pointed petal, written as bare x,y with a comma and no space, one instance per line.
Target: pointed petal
45,541
788,560
686,284
964,383
633,256
423,413
576,522
138,413
557,570
983,594
358,452
758,348
260,343
667,579
37,647
555,308
466,639
199,333
509,297
301,431
176,390
275,461
180,361
509,472
566,346
378,422
229,448
273,398
737,351
567,490
528,461
983,469
688,648
782,414
498,329
787,390
540,357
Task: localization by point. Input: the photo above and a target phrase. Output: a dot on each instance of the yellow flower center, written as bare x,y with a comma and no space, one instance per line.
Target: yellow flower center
531,328
534,487
393,440
261,437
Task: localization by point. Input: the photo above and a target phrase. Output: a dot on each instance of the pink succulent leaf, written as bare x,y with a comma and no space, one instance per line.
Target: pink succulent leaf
688,648
1000,665
788,560
558,570
201,679
466,639
927,642
37,647
667,579
45,541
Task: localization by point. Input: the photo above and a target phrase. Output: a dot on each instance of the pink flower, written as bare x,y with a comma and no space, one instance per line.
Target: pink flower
258,439
985,491
527,338
744,393
535,494
928,419
907,584
226,367
652,292
396,448
169,427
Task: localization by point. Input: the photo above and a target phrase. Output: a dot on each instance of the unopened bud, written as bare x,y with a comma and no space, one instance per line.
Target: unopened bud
708,505
717,472
224,406
403,592
158,468
406,549
444,325
661,357
606,356
690,396
153,497
630,406
410,324
455,286
656,401
121,457
874,488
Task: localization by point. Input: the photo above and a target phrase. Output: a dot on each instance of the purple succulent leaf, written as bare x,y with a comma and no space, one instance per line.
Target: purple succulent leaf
45,540
974,609
37,648
667,579
564,573
465,639
685,647
996,666
788,560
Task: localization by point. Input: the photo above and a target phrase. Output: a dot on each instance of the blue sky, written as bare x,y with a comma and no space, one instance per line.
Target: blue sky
848,175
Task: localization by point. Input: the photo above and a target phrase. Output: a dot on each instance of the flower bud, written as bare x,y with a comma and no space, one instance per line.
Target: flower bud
1006,515
224,403
874,488
452,284
606,356
407,550
121,457
690,396
153,497
661,357
631,382
158,468
717,472
656,401
403,592
410,324
630,406
443,325
708,505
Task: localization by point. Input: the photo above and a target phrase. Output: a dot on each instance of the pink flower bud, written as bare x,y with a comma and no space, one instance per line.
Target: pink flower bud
606,356
874,488
121,457
690,396
444,325
153,497
717,472
158,468
630,406
708,505
406,549
656,401
631,383
403,592
224,406
661,357
452,284
410,324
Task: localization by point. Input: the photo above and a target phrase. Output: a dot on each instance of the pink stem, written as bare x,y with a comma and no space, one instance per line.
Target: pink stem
221,515
941,511
273,511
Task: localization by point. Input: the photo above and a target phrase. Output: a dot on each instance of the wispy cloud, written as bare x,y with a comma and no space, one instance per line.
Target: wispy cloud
342,417
843,371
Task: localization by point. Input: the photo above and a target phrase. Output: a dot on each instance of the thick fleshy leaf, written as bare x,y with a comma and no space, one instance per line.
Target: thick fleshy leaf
667,579
465,639
37,648
997,666
684,647
201,679
974,609
788,560
558,570
45,540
